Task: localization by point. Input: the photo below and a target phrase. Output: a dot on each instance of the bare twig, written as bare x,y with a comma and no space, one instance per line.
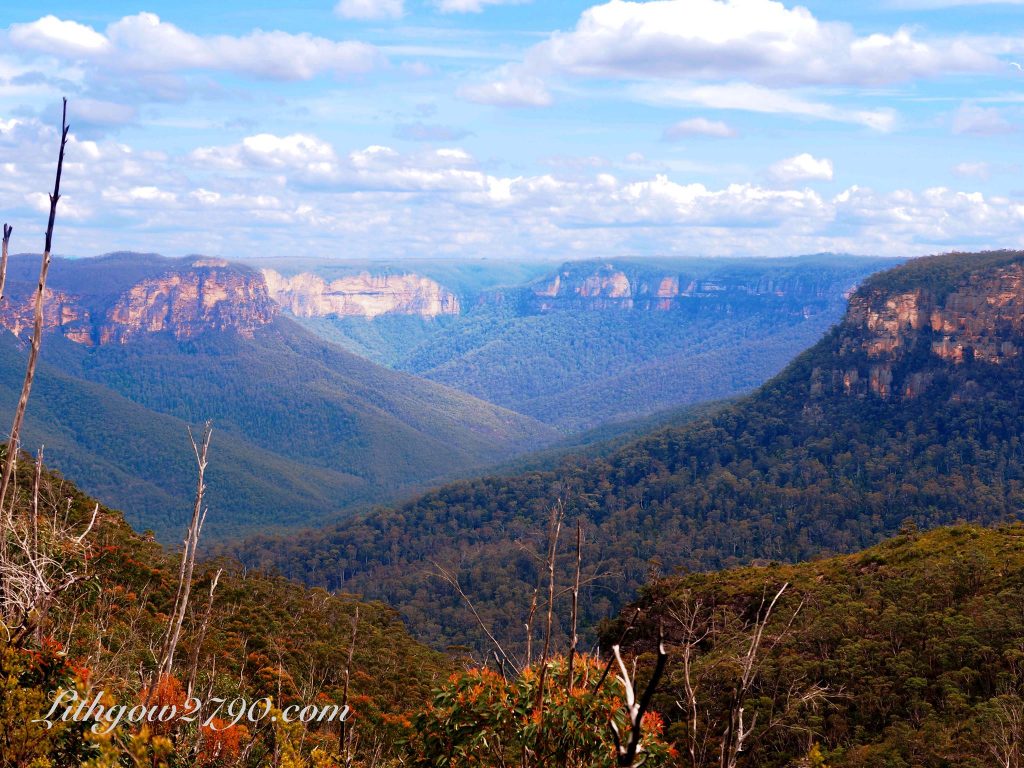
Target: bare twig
454,582
345,736
37,324
188,556
575,600
554,531
3,258
194,666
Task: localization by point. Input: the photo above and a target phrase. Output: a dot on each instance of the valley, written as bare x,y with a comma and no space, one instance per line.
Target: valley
371,387
512,384
875,425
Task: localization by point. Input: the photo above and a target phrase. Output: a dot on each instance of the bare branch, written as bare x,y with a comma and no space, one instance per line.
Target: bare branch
454,582
188,555
37,324
3,258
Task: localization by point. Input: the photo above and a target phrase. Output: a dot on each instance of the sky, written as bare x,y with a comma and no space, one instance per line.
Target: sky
511,129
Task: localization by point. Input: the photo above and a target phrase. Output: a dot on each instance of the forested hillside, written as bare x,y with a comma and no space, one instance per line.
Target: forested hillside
593,341
907,653
910,409
138,346
257,636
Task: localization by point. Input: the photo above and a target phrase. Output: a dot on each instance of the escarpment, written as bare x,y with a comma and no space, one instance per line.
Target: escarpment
894,343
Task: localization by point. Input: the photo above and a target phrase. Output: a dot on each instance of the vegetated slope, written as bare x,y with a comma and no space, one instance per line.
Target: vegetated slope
290,393
311,429
259,636
911,408
593,342
916,642
141,460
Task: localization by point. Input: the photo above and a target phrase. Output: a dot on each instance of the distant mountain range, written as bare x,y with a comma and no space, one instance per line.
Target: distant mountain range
909,410
456,371
139,346
588,342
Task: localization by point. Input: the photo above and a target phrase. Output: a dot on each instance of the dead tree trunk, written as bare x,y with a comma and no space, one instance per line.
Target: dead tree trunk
3,258
37,322
188,557
345,734
627,746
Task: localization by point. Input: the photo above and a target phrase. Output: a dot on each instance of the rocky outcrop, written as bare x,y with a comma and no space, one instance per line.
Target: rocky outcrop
183,302
981,319
362,295
211,295
62,312
608,286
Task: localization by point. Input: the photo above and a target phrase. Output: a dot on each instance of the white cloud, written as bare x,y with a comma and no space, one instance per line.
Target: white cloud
762,41
509,89
52,34
145,43
370,9
755,98
146,194
981,121
472,6
289,194
698,126
979,170
802,167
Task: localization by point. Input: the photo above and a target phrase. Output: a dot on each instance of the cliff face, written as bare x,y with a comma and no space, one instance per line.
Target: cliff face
61,311
893,341
183,301
211,295
363,295
609,287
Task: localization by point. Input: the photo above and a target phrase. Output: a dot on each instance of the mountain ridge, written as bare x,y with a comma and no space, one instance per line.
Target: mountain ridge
789,472
311,429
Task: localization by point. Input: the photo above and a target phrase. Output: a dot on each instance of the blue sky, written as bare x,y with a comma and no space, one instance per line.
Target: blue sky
468,128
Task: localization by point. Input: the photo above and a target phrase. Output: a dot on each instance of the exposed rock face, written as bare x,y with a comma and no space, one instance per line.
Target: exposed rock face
209,296
183,302
611,287
363,295
62,312
981,319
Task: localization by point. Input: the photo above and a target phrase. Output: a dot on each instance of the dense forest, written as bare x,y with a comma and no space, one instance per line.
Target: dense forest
794,470
905,654
577,361
331,430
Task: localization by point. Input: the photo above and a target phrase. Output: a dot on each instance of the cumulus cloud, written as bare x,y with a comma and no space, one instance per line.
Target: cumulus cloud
761,41
698,126
145,43
761,46
370,9
802,167
66,36
980,121
255,194
509,89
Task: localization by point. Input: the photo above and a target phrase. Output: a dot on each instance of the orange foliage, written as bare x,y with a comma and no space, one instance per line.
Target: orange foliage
221,742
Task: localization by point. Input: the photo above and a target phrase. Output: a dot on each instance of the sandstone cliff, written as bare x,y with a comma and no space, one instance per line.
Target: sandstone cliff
362,295
182,300
894,340
641,287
